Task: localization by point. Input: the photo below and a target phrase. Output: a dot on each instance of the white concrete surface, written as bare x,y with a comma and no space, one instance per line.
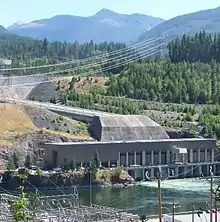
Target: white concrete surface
62,108
204,217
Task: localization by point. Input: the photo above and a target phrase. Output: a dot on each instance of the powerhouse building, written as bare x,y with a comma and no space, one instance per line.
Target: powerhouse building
140,145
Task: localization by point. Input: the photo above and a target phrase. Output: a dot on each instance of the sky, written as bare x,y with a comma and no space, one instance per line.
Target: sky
12,11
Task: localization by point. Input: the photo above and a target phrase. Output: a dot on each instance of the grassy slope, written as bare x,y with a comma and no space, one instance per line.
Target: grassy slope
16,122
14,119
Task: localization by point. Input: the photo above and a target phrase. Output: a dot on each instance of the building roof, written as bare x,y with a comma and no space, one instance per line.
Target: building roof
127,121
126,128
204,140
5,62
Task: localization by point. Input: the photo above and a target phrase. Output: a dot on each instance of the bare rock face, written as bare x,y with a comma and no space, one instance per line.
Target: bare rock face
125,177
113,177
29,143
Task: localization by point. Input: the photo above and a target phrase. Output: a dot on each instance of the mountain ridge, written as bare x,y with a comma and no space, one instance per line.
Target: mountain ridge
105,25
186,24
3,30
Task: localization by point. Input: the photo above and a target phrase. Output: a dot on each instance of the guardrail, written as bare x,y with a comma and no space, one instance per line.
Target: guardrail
61,108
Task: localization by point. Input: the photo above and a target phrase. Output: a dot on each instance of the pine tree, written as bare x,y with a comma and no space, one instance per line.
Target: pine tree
97,160
15,160
65,164
10,164
72,164
28,161
95,165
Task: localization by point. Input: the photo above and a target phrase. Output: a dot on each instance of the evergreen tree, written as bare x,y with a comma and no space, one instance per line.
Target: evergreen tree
15,160
28,161
66,164
95,165
72,164
10,164
96,160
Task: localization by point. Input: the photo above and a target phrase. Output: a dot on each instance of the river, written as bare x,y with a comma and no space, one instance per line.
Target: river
142,199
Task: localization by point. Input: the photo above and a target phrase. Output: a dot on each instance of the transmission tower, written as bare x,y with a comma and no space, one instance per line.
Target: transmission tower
5,64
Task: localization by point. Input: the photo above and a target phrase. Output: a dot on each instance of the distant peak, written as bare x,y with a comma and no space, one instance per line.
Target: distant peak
16,25
19,22
105,12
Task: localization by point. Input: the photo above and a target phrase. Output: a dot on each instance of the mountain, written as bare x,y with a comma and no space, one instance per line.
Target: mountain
3,30
187,24
105,25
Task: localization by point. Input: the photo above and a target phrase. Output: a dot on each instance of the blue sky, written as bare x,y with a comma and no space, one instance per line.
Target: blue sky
28,10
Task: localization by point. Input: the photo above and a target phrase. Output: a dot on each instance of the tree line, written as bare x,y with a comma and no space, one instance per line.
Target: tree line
203,47
32,52
14,47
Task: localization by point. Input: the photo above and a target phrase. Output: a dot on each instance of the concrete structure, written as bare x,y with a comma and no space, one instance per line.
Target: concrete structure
126,128
201,217
80,114
178,158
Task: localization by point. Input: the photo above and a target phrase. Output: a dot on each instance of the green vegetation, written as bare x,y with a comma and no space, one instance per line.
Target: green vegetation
174,89
10,164
170,91
15,159
30,52
24,201
28,161
95,165
202,47
168,82
69,164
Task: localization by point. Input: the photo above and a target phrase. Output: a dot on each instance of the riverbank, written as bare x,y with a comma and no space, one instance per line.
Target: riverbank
141,198
103,178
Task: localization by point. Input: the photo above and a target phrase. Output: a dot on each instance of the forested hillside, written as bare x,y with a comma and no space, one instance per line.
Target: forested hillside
202,47
41,52
192,76
183,82
168,90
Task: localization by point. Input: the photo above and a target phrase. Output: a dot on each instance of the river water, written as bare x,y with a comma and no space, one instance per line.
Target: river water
142,199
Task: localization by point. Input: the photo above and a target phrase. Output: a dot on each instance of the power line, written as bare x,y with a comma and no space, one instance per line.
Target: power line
132,47
148,54
126,56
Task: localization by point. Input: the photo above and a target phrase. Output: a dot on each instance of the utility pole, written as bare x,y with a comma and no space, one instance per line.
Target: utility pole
193,213
211,189
216,210
215,202
159,195
173,206
90,186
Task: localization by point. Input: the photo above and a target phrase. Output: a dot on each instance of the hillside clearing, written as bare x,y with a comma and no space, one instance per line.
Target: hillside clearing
84,84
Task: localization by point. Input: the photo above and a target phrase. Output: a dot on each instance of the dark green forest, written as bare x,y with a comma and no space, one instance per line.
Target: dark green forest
163,81
203,47
21,48
29,52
